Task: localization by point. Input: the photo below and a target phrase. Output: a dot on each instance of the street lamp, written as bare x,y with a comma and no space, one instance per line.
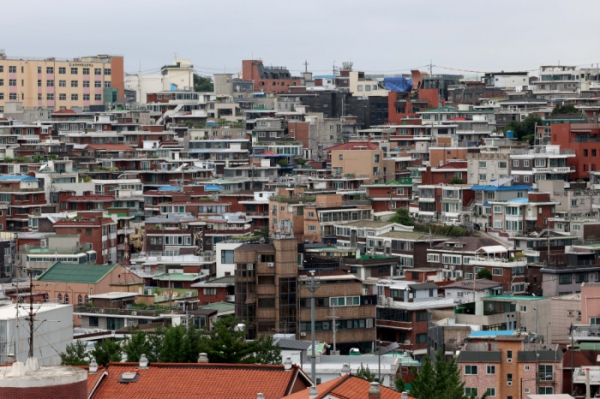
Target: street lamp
383,351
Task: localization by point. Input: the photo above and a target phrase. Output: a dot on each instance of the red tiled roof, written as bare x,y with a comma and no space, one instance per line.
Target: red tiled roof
461,118
199,380
453,165
111,147
353,145
93,379
346,387
269,153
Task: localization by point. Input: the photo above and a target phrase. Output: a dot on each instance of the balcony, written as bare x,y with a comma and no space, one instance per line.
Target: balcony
81,310
558,169
126,230
499,262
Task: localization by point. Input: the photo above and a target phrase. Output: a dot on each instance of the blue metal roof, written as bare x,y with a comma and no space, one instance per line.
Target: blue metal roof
19,178
519,201
501,188
169,188
213,187
485,334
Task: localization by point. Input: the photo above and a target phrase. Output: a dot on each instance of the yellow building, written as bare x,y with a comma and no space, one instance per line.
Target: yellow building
60,83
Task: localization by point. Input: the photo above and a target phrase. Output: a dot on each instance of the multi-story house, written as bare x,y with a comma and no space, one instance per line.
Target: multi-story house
222,152
541,163
25,196
288,205
95,229
505,366
517,109
487,166
448,203
387,197
62,83
322,215
268,79
172,234
522,215
362,163
501,190
402,315
269,288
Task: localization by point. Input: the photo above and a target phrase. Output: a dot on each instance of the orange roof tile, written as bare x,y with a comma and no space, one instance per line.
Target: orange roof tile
111,147
346,387
206,380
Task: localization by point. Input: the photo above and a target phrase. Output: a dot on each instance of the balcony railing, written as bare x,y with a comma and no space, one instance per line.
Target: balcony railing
123,312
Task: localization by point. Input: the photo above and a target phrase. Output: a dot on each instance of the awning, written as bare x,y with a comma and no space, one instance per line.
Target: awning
417,352
493,249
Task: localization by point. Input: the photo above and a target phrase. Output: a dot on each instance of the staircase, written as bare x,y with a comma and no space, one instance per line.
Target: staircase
170,112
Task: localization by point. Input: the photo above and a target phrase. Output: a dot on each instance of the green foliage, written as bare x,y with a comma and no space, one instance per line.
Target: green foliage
438,381
53,157
400,384
180,345
484,274
565,109
402,216
8,159
136,346
524,130
74,355
263,232
456,180
106,351
224,345
300,161
202,83
365,373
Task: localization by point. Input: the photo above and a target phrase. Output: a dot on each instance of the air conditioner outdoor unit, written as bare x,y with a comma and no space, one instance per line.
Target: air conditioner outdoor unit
407,342
134,313
509,383
303,334
270,264
508,360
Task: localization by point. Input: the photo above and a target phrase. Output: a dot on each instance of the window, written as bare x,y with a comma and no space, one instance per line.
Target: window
482,177
546,372
344,301
50,97
565,279
266,302
50,83
470,391
74,83
86,83
497,209
433,258
97,71
79,300
312,227
491,392
12,82
490,370
422,339
86,71
74,71
509,355
502,165
545,390
66,299
227,256
107,71
74,97
50,70
209,291
93,320
98,97
497,272
359,88
97,83
62,70
515,163
62,97
86,97
526,163
62,83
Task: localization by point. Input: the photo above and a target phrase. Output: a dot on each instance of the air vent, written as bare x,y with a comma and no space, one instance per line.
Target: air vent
126,378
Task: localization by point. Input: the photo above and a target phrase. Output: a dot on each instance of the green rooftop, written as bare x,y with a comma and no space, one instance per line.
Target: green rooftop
222,280
74,273
178,276
221,307
367,257
400,182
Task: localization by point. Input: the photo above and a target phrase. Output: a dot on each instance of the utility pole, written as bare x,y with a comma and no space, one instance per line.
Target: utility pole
313,285
334,329
430,68
31,314
305,66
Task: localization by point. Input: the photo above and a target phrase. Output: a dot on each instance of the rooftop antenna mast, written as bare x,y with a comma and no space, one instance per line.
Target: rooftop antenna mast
313,285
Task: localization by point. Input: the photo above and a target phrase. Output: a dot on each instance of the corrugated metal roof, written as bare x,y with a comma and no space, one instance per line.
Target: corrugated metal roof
75,273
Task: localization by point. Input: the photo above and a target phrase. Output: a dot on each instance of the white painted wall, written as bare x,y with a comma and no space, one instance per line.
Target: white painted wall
222,268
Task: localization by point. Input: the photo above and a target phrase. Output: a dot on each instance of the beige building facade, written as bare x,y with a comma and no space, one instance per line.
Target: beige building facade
360,163
58,84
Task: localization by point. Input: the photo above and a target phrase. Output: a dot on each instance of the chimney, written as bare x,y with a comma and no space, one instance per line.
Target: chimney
203,358
143,362
287,364
345,369
404,395
587,383
313,393
374,391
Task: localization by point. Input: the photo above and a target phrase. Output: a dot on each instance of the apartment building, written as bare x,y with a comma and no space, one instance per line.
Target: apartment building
528,166
361,163
402,312
500,189
173,234
521,215
61,83
508,367
448,203
24,195
269,79
387,197
486,166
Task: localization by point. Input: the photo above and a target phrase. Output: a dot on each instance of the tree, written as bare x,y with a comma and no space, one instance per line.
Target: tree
263,232
438,381
402,216
74,355
176,346
365,373
202,83
524,130
456,180
137,346
565,109
106,351
227,344
283,163
400,384
300,161
484,274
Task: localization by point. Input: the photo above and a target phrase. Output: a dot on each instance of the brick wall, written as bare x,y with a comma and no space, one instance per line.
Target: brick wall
76,390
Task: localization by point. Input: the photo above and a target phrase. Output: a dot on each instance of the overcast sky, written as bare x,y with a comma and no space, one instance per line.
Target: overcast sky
377,35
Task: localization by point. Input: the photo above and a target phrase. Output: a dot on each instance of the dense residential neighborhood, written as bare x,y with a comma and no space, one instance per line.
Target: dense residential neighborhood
296,232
